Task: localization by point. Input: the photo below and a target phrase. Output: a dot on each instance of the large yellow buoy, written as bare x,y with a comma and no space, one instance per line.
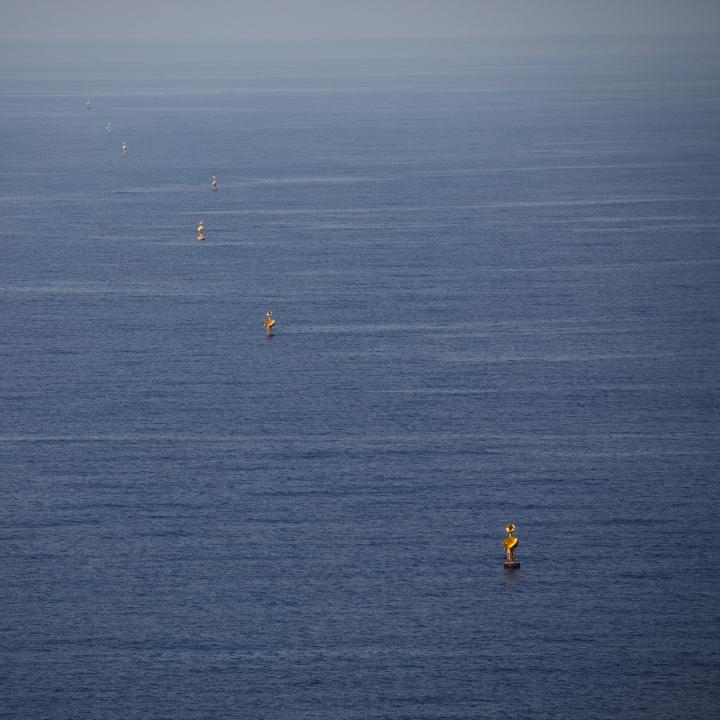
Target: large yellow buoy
510,543
269,324
201,231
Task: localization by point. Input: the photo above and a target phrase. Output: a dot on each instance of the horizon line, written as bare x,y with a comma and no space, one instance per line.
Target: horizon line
365,38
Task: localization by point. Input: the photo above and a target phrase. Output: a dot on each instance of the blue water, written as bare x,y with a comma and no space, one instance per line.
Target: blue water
496,276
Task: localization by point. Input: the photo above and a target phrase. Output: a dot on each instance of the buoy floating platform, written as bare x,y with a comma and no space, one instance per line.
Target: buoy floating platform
510,544
269,324
201,231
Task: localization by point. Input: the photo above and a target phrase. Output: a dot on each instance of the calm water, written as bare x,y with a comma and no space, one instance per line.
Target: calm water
496,277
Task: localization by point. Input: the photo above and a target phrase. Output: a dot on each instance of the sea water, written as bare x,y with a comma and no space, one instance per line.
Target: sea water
496,278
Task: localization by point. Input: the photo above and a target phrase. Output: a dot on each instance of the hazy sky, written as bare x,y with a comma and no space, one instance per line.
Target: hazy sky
348,19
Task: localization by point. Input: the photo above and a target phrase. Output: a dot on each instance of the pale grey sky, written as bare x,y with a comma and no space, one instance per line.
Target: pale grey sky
349,19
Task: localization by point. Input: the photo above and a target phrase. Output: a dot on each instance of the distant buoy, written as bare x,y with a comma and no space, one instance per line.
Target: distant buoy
201,231
124,148
269,324
213,183
510,543
87,104
108,127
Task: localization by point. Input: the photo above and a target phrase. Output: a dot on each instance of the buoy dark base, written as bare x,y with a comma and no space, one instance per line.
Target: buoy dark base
511,565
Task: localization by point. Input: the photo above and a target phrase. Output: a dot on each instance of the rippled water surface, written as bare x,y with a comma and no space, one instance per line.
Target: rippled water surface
497,287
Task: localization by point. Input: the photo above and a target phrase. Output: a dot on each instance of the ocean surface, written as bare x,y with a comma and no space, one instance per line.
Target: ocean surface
496,278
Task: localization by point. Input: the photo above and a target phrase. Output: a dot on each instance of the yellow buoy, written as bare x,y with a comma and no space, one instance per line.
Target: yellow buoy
201,231
269,323
510,544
